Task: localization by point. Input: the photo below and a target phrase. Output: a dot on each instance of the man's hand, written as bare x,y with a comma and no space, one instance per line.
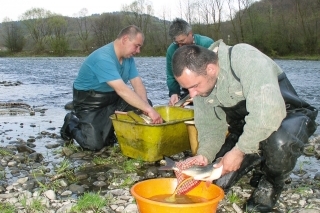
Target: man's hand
173,99
155,116
231,161
202,160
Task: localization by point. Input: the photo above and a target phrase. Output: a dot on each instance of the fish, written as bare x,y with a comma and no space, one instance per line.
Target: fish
204,173
184,101
145,117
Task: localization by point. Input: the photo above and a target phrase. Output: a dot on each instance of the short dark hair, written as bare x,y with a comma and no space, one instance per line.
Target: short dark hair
193,57
130,30
179,27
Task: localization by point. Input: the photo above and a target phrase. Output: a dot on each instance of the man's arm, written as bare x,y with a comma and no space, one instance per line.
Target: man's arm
132,98
139,88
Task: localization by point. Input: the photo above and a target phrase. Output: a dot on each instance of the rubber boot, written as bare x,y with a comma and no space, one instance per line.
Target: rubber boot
264,197
70,122
280,151
249,162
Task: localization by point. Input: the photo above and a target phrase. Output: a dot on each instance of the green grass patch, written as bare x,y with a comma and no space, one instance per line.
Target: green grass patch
102,161
7,208
90,201
233,198
131,165
4,152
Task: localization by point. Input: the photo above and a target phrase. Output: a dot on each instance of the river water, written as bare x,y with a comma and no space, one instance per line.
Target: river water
47,84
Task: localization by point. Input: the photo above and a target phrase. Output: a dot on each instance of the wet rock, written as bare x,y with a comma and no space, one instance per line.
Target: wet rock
76,189
22,180
24,148
151,172
29,185
50,194
67,151
317,176
82,176
99,183
36,157
52,146
66,193
78,155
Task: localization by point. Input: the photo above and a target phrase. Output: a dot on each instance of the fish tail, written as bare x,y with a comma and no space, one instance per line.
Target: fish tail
170,165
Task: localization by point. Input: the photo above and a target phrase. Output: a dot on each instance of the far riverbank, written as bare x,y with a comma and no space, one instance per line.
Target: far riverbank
77,53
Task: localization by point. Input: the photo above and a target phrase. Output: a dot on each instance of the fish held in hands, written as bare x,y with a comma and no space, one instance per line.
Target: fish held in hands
205,173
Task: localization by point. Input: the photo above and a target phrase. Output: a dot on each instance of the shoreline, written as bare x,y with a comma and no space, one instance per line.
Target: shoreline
42,131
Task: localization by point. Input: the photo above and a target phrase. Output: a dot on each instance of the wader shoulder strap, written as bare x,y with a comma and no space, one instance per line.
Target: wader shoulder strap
232,71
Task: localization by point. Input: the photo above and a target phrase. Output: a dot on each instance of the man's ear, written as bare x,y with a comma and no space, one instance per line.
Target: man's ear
124,39
212,69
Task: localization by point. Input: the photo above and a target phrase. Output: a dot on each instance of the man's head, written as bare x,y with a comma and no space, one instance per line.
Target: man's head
131,39
196,69
181,32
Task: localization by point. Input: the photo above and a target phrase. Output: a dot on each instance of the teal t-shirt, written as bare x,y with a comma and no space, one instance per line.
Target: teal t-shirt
102,66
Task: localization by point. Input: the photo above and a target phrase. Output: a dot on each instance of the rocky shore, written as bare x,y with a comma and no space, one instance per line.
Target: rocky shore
39,173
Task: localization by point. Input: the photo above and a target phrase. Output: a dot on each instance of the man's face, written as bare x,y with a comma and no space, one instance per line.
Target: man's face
201,85
183,39
133,45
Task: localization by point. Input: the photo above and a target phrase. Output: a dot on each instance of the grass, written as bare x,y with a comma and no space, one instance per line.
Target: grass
127,182
131,165
63,166
90,202
2,175
233,198
302,190
33,204
4,152
102,161
7,208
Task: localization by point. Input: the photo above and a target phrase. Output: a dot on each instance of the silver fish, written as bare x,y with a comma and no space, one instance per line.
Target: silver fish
205,173
184,101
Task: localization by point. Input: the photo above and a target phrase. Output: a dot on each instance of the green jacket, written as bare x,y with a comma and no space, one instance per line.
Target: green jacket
258,86
173,85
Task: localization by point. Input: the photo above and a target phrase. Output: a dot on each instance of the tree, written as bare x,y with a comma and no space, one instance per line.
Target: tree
83,29
105,28
58,39
36,22
139,13
13,37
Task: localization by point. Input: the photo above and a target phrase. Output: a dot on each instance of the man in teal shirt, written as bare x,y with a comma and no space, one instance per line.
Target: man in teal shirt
181,34
101,88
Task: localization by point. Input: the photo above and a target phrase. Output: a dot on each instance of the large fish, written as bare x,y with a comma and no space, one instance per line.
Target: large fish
205,173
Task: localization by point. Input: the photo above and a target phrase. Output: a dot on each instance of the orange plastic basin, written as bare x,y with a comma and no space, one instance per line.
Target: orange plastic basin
143,190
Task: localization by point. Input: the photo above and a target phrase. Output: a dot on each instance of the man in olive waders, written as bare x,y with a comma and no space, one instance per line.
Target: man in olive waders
242,91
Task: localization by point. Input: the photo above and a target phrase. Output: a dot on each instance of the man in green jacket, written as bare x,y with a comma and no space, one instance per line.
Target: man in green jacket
181,34
242,91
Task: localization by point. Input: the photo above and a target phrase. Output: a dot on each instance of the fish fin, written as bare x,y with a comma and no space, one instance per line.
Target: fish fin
208,182
170,165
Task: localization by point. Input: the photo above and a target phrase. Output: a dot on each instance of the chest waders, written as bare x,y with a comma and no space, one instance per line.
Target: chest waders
278,153
90,125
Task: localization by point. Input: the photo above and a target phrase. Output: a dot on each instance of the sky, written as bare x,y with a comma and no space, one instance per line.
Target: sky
13,9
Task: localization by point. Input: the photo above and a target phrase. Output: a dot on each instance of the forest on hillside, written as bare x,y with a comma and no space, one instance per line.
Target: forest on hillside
276,27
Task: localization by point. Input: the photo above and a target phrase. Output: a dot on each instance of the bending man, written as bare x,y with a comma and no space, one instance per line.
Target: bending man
242,91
